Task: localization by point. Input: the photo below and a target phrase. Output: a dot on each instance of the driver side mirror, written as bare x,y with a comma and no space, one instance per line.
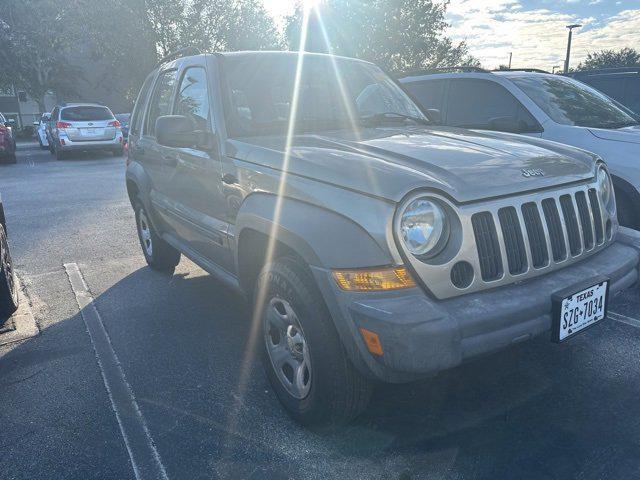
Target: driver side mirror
507,123
177,131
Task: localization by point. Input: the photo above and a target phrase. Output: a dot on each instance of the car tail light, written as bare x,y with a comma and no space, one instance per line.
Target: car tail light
115,123
63,125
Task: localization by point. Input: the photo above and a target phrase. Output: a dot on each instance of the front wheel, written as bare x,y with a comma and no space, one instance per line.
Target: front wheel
158,253
302,354
8,285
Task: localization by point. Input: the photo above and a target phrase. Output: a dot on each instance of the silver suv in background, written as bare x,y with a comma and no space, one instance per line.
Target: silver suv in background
84,126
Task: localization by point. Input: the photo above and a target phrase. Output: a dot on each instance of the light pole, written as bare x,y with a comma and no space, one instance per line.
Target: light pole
566,62
510,57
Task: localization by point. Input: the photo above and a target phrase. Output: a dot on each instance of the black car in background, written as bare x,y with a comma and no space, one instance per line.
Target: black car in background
8,284
124,119
7,141
621,84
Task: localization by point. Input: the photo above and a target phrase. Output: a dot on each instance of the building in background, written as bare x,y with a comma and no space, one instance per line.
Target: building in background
17,105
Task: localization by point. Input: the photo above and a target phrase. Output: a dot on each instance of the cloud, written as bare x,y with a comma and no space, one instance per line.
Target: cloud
537,37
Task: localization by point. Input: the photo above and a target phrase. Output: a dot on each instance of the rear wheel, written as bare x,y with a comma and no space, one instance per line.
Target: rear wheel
158,253
302,354
8,285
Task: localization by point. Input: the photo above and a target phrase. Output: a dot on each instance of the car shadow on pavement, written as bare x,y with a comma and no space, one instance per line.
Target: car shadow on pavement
536,410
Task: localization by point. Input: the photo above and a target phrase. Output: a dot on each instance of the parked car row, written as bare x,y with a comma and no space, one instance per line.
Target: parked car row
379,239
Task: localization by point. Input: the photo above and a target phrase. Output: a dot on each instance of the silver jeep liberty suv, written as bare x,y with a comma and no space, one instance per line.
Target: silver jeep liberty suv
373,244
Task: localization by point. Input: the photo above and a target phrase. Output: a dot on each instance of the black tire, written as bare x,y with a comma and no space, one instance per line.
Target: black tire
338,393
159,254
8,284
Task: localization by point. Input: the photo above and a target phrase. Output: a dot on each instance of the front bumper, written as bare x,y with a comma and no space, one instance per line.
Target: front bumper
421,335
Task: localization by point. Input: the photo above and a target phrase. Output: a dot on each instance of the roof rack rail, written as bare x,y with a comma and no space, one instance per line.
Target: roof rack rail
531,70
434,70
182,52
595,71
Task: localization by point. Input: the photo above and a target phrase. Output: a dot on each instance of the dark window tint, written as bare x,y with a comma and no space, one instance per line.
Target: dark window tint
138,111
193,98
86,114
486,105
428,93
569,102
161,101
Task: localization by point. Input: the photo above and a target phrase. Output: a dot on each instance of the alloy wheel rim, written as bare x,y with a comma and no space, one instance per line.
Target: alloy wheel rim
287,347
145,233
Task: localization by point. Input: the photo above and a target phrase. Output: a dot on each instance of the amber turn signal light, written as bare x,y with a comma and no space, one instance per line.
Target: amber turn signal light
372,341
372,280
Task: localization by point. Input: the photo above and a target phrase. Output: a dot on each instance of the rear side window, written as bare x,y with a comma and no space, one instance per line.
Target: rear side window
193,98
479,104
138,111
161,101
86,114
428,93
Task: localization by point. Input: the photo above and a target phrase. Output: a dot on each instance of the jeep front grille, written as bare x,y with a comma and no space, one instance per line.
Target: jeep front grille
567,224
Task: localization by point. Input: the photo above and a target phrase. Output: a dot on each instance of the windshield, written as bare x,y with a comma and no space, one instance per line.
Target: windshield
334,93
84,114
569,102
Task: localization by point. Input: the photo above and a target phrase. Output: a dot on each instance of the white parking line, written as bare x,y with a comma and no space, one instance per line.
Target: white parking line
144,456
618,317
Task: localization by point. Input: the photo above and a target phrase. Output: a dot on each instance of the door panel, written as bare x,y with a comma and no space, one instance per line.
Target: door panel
194,176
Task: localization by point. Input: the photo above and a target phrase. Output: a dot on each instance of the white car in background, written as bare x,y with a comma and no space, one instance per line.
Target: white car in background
536,104
41,130
84,126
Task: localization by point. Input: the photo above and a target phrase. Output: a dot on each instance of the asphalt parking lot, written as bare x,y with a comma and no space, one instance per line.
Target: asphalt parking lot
535,411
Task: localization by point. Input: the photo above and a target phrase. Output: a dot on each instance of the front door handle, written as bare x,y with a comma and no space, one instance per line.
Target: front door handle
229,179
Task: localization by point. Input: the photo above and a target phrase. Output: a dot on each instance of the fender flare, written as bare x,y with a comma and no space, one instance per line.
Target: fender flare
321,237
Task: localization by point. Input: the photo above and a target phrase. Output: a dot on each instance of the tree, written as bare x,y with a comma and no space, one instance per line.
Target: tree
396,34
35,54
626,57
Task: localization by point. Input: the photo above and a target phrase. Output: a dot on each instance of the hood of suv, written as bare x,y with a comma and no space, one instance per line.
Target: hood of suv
627,134
390,162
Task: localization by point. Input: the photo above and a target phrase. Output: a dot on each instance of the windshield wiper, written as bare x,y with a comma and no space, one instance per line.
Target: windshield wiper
379,118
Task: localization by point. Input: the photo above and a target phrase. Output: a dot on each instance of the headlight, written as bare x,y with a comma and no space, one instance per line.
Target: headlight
605,190
422,226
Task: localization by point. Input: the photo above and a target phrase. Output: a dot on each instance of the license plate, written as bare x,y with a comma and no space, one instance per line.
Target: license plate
578,308
89,131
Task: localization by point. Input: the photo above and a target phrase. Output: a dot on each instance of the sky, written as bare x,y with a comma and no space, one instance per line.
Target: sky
534,30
